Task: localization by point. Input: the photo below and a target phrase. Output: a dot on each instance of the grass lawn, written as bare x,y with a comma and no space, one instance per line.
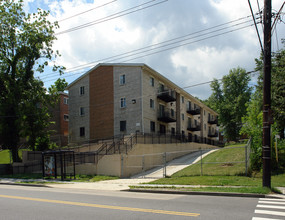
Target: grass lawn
226,161
227,173
4,157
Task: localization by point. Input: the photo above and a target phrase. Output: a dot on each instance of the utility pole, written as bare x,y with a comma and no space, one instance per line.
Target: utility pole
266,148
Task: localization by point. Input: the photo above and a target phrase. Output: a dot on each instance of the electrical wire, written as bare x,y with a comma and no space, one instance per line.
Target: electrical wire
136,97
145,49
111,17
86,11
256,27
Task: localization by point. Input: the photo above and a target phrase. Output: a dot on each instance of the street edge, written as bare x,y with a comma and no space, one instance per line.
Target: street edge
249,195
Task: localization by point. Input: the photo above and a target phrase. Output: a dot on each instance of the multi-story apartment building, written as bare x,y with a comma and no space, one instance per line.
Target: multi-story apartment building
60,117
114,99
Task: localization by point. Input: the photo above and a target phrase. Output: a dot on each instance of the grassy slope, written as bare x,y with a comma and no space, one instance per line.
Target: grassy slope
225,174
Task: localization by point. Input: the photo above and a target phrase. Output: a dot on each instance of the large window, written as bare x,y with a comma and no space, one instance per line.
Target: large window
182,99
82,131
122,79
123,125
152,126
82,90
123,102
182,116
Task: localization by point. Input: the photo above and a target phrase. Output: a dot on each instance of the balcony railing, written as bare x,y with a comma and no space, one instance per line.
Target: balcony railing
213,120
167,116
166,95
213,134
194,111
196,127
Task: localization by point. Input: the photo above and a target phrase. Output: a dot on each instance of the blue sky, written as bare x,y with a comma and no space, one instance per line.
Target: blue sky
188,60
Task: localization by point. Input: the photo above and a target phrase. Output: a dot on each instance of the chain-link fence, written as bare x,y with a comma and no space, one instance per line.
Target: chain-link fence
220,161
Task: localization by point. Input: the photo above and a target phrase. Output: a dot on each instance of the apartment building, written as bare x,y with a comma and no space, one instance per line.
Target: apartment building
60,117
114,99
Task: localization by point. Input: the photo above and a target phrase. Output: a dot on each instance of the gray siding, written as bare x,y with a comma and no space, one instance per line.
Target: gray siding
131,90
75,102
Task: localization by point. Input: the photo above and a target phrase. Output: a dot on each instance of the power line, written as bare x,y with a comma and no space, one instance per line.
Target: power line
87,11
136,97
256,27
161,50
111,17
144,49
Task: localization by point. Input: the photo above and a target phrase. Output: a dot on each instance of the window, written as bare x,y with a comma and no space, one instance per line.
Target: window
65,100
82,111
123,103
161,87
204,126
172,113
182,116
173,131
65,118
152,81
152,126
123,125
204,112
81,90
182,99
122,79
188,105
151,103
82,131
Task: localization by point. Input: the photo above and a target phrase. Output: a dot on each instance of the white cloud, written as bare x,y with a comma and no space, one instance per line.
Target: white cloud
194,63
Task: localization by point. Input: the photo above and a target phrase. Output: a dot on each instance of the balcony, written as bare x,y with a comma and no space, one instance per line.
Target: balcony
194,111
213,120
194,127
166,95
213,134
168,116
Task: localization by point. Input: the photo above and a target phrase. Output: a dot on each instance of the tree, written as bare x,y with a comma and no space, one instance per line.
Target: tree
252,127
277,87
25,47
228,98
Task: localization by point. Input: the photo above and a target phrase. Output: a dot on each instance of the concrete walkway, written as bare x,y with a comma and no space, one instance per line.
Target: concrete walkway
174,165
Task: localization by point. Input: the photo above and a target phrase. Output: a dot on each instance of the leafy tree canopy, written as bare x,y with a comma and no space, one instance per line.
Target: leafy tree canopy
228,98
25,48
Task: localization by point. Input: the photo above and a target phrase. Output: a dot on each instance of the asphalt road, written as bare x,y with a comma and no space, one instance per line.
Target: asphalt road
24,202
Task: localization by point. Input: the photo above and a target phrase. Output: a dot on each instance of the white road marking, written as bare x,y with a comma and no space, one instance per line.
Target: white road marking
271,206
266,212
258,218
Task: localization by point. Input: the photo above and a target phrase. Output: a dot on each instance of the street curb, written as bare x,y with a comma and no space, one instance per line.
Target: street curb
202,193
25,184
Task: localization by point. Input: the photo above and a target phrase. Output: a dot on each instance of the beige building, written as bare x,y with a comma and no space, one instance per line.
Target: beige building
115,99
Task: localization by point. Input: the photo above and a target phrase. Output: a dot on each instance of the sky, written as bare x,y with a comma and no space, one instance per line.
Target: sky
189,42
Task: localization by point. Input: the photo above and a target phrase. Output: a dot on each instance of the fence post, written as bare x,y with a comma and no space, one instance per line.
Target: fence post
201,152
143,168
164,164
122,165
246,146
